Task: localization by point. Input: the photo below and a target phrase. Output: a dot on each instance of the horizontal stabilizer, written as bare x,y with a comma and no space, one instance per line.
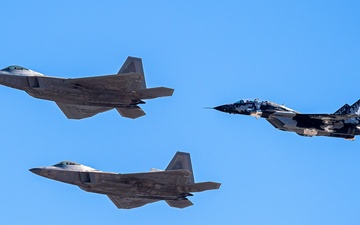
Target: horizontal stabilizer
179,203
131,112
129,203
155,92
80,111
203,186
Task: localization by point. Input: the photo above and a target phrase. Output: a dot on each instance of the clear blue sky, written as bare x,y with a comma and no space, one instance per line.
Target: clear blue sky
302,53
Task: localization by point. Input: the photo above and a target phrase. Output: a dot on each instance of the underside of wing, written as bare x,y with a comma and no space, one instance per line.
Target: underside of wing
276,123
80,111
118,82
131,112
129,203
279,119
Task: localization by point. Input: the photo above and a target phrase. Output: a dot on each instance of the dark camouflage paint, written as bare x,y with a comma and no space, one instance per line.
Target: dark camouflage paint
344,123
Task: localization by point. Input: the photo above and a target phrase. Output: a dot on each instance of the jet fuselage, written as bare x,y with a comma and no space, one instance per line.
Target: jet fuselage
344,123
80,98
113,183
126,191
54,89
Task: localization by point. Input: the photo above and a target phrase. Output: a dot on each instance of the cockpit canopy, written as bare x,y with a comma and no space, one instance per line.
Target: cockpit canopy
10,68
243,101
66,163
239,102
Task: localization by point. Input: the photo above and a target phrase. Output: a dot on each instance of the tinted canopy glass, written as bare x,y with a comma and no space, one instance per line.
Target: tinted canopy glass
66,163
14,68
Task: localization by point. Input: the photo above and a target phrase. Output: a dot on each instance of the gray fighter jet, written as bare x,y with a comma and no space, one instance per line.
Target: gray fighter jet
344,123
133,190
85,97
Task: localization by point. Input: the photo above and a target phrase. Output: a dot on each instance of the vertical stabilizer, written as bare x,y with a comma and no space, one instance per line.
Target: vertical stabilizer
355,108
134,65
343,110
181,161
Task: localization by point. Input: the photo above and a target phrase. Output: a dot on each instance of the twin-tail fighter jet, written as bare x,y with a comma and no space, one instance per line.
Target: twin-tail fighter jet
344,123
133,190
85,97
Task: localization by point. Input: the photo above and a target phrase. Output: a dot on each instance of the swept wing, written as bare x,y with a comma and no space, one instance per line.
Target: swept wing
118,82
80,111
161,177
279,119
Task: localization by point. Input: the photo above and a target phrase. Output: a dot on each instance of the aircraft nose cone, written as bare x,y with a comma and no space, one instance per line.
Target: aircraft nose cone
36,171
224,108
219,108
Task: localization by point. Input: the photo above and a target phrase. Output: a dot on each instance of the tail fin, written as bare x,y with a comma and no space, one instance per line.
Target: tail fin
343,110
134,65
355,108
181,161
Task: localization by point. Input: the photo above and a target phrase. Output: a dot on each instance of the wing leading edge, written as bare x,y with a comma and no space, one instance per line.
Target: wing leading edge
72,111
130,203
164,177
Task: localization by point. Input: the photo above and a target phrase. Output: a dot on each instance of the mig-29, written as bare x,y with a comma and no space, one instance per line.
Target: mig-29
344,123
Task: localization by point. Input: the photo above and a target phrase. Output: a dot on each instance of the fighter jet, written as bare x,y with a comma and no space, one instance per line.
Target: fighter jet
133,190
85,97
344,123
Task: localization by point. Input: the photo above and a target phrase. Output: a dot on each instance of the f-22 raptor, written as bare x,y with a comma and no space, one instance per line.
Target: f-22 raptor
344,123
133,190
85,97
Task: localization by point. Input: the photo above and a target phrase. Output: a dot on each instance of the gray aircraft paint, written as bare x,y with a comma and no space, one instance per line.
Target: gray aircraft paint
344,123
85,97
133,190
